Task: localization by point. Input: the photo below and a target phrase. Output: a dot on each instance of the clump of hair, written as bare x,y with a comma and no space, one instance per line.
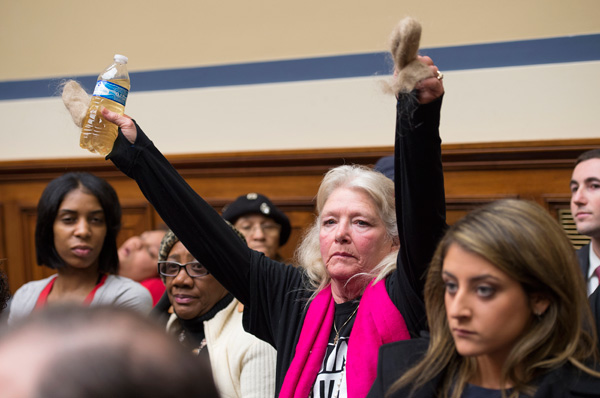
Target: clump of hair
404,48
76,100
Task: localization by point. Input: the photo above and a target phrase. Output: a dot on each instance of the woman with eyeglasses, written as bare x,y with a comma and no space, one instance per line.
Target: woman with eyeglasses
206,319
265,227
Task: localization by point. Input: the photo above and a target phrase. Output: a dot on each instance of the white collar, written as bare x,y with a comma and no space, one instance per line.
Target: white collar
594,262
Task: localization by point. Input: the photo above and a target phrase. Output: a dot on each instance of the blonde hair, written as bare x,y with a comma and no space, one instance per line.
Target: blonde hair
525,242
380,190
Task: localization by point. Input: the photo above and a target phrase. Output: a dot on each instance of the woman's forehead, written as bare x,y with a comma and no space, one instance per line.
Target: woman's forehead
253,218
349,198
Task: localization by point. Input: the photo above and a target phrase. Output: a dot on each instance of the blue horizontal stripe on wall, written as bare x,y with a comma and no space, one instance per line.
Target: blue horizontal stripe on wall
492,55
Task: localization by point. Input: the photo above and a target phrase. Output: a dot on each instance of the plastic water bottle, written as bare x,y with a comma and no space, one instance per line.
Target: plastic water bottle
97,134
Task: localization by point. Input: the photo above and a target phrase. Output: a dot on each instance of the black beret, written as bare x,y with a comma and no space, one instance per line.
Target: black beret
255,203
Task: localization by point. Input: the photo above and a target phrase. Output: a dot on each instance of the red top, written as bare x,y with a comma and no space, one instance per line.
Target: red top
43,299
156,288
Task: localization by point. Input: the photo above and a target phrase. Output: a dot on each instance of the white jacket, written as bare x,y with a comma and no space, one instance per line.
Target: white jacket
243,366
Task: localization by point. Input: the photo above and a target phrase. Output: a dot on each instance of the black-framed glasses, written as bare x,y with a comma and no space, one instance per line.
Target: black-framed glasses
172,268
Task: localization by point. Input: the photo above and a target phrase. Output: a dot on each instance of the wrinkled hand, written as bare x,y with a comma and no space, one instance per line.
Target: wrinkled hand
431,88
124,122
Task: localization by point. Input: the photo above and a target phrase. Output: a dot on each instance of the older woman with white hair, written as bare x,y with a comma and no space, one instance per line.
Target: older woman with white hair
359,279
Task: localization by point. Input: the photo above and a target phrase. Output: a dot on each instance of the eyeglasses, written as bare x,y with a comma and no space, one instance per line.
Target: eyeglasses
267,229
172,268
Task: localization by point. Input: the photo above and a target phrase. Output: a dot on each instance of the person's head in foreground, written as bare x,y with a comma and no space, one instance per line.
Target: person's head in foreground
97,352
505,303
264,226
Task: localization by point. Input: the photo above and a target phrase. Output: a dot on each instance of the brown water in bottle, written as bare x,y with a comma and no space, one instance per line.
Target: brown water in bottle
98,134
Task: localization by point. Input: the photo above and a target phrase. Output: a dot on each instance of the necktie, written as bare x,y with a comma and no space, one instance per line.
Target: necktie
597,273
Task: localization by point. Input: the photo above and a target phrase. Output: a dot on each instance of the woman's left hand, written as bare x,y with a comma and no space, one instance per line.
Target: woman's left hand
431,88
124,122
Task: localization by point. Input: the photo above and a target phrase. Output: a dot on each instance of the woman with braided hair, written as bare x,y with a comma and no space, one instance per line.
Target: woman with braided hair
205,318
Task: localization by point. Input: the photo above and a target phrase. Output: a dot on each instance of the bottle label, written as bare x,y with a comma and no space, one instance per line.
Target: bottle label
111,91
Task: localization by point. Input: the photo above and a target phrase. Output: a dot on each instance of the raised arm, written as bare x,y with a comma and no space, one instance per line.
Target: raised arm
420,199
195,222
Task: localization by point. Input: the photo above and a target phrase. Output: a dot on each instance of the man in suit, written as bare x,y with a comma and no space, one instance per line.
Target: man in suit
585,207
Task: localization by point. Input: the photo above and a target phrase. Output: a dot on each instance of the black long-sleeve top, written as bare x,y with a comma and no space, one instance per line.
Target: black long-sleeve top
275,294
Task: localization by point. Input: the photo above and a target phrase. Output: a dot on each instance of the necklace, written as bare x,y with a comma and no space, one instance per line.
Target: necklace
337,332
196,350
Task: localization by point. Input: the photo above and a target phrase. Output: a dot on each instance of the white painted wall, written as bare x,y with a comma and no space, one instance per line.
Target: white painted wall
506,104
49,39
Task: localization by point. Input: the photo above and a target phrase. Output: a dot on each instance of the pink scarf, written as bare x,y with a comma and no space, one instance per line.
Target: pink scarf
378,322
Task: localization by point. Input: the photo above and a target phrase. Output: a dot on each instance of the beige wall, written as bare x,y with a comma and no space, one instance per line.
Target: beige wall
57,38
52,39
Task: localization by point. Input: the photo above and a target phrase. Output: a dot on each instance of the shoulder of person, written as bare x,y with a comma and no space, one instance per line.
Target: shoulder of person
404,352
127,289
33,286
123,281
568,380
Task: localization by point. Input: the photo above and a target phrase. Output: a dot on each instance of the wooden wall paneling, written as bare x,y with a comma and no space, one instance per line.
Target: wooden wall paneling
13,245
137,217
474,174
300,221
17,237
19,195
3,263
555,203
458,206
32,271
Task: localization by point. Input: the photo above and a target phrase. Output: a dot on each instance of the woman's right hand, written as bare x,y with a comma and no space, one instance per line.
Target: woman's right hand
124,122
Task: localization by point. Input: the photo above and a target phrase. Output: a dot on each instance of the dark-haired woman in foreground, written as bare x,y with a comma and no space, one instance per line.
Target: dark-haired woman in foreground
78,219
507,313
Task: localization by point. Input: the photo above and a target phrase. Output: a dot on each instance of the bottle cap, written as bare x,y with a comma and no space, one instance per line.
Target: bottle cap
121,59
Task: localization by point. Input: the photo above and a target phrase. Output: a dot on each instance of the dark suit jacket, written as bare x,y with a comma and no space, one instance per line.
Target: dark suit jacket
396,358
583,255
